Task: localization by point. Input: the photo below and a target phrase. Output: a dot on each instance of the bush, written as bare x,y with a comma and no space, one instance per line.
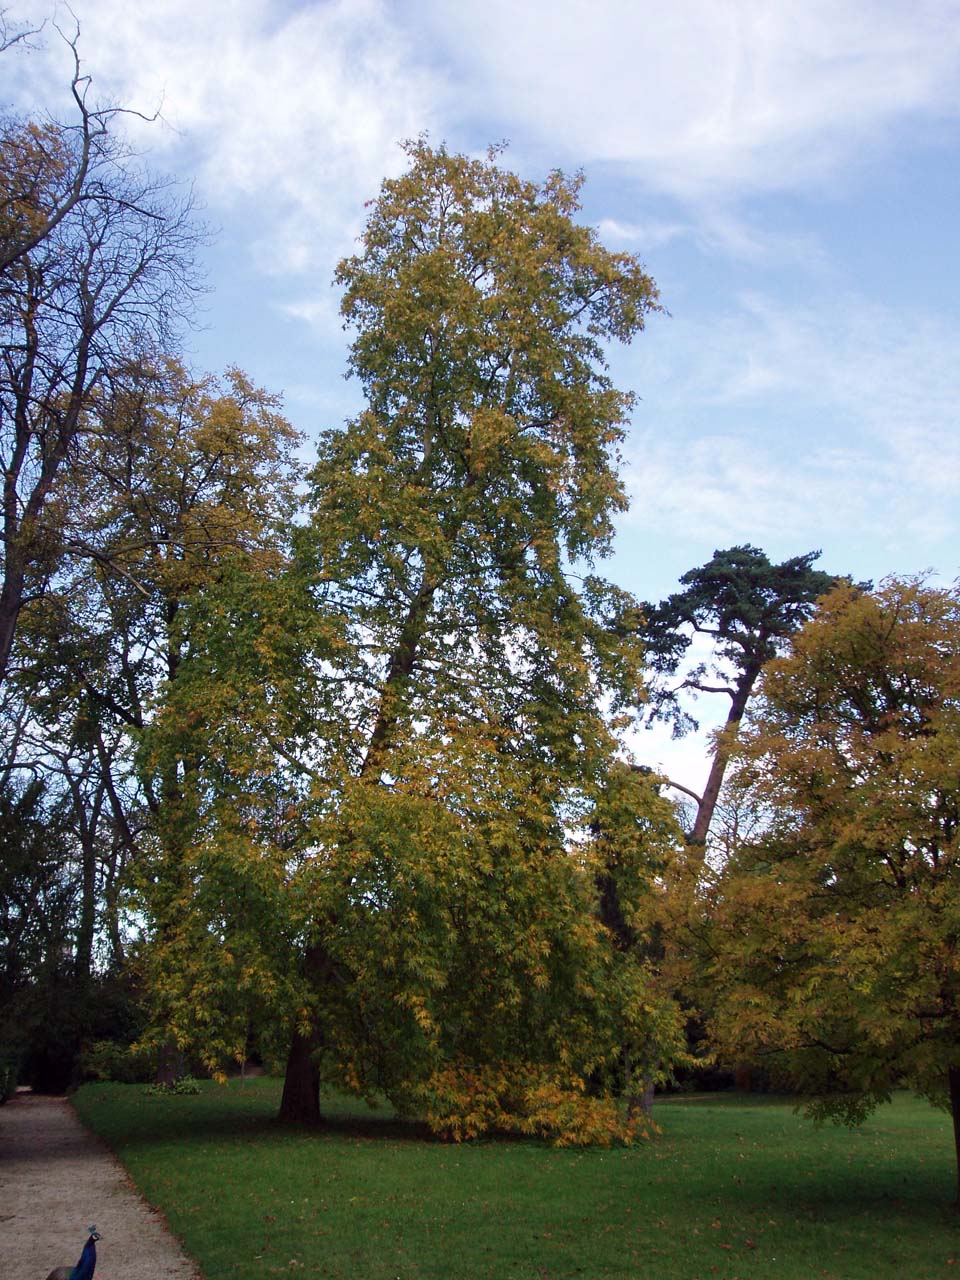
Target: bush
120,1063
183,1085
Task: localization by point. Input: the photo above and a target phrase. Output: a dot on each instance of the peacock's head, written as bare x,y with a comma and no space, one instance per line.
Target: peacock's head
93,1232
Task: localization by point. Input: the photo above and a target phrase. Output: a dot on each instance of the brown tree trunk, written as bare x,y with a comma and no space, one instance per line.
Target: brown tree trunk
639,1092
170,1064
300,1103
11,598
954,1075
86,927
740,696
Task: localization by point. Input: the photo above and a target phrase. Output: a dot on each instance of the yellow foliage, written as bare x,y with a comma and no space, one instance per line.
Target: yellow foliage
463,1101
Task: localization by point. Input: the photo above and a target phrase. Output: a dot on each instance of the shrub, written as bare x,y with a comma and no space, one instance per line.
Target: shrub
184,1085
121,1063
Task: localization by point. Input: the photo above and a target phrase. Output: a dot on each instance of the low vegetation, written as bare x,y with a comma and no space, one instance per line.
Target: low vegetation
735,1186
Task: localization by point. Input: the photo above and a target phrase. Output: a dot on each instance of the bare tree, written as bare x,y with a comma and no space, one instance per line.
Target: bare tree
38,195
96,264
12,33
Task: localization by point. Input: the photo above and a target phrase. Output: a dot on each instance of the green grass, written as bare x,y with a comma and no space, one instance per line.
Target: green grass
734,1188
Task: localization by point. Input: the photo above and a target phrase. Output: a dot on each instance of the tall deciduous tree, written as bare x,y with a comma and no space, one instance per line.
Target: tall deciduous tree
184,481
95,264
834,957
746,607
457,682
489,440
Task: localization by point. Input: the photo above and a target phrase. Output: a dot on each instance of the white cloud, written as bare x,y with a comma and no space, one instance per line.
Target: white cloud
289,114
302,105
705,99
718,230
729,489
650,233
825,423
290,117
320,312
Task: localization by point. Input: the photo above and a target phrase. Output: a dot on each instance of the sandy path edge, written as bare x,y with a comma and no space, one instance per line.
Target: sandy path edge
55,1179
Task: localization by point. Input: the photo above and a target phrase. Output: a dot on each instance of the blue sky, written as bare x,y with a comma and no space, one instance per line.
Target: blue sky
789,171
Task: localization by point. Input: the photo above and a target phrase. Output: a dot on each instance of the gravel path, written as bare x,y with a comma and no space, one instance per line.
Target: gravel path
56,1179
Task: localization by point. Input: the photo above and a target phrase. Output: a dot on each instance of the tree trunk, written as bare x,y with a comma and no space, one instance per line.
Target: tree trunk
300,1103
639,1092
86,926
740,696
955,1111
11,598
170,1064
641,1102
87,821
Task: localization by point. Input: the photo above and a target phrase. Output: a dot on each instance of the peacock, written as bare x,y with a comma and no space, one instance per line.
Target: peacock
85,1267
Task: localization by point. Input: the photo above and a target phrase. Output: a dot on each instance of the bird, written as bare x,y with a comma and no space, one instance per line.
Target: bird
85,1267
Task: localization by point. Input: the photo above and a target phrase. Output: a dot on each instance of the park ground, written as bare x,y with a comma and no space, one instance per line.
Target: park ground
57,1179
734,1187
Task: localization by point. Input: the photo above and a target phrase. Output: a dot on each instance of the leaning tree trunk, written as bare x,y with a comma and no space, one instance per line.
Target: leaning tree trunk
740,696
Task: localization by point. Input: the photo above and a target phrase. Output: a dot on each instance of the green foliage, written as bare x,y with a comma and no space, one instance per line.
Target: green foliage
109,1060
746,606
182,1087
38,890
386,772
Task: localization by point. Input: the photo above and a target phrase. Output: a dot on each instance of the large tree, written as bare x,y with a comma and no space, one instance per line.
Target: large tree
480,308
746,608
833,937
445,921
184,481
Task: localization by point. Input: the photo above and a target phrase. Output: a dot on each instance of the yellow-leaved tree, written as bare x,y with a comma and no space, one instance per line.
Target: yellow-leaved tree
458,676
833,956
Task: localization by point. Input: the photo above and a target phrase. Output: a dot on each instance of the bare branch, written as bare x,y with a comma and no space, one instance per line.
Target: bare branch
678,786
11,34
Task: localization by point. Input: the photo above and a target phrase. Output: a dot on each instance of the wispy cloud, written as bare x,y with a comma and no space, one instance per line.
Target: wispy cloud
649,233
290,115
780,420
319,312
705,98
701,99
715,229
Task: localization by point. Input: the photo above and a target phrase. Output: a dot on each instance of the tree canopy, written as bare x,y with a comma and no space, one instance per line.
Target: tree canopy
96,267
833,938
746,607
458,685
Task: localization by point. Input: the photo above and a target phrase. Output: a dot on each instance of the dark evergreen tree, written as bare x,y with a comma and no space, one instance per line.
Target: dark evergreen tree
747,607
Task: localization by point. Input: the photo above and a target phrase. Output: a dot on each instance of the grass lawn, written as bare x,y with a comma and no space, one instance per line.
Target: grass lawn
734,1187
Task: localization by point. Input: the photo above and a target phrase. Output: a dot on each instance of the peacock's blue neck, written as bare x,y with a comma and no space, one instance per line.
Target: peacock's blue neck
88,1261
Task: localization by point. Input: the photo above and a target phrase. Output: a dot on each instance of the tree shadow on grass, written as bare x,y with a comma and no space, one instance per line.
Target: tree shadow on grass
176,1120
